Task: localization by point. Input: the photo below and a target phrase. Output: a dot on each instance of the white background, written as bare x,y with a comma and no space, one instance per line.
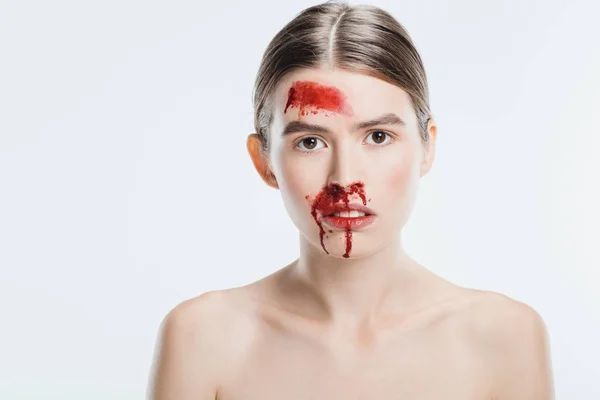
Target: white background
125,186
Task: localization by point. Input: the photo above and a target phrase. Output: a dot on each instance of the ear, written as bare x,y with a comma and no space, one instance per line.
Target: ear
429,147
260,160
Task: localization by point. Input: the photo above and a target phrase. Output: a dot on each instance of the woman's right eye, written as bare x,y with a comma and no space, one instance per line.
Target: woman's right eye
309,143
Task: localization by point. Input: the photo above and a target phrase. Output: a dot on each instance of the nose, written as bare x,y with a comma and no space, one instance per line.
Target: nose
344,165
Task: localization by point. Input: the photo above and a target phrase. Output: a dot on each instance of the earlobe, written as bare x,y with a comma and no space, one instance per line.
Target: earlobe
260,161
429,148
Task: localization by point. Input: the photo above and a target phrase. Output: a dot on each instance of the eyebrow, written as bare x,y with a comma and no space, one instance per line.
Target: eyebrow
300,126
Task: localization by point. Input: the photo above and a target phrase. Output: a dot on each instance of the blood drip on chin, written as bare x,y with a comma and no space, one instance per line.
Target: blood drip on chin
329,196
348,243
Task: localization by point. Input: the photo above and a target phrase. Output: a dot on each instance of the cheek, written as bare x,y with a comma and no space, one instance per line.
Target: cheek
401,175
403,178
301,173
298,177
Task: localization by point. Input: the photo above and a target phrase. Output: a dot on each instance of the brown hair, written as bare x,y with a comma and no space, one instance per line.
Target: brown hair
358,38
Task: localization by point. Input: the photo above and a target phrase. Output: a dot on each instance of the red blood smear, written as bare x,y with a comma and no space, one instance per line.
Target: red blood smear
348,243
329,196
304,95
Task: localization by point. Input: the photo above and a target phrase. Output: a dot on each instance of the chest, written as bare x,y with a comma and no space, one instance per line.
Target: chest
419,366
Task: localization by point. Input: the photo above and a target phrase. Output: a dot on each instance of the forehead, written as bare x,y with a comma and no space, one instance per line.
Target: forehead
313,93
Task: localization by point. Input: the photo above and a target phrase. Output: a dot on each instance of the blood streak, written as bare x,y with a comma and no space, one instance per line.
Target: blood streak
306,95
329,196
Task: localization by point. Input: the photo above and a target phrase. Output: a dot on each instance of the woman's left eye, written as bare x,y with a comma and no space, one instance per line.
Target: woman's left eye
379,136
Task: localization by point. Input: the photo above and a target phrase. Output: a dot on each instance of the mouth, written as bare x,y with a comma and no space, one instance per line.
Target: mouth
350,217
349,223
347,211
349,214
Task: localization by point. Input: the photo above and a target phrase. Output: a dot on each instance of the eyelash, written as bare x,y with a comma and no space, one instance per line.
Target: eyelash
296,146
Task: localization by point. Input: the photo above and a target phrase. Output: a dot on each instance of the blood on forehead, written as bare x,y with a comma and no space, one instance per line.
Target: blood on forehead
311,97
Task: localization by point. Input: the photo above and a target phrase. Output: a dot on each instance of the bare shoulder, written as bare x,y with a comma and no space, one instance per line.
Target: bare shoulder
513,339
193,312
497,319
195,321
188,357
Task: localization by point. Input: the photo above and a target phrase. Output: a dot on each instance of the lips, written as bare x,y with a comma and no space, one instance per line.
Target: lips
346,222
349,223
336,208
327,202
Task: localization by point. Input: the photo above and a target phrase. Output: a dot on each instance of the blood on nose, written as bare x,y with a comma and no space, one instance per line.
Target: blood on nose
330,195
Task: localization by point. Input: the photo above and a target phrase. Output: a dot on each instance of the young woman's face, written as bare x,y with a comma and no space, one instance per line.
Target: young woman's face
341,139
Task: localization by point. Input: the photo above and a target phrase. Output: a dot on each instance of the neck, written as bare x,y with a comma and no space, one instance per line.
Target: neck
347,291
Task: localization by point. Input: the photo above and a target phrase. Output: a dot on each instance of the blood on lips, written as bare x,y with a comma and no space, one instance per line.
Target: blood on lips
327,202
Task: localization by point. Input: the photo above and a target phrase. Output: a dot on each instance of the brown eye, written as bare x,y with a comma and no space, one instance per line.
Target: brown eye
309,143
378,136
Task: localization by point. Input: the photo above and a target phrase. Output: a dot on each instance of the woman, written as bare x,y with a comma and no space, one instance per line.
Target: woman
344,132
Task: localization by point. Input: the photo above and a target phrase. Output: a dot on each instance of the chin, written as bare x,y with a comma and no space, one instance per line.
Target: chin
339,250
345,244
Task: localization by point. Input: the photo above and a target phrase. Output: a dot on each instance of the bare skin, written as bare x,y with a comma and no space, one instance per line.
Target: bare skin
373,325
257,342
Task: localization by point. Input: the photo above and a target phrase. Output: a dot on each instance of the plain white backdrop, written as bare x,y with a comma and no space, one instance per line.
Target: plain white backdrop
125,186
